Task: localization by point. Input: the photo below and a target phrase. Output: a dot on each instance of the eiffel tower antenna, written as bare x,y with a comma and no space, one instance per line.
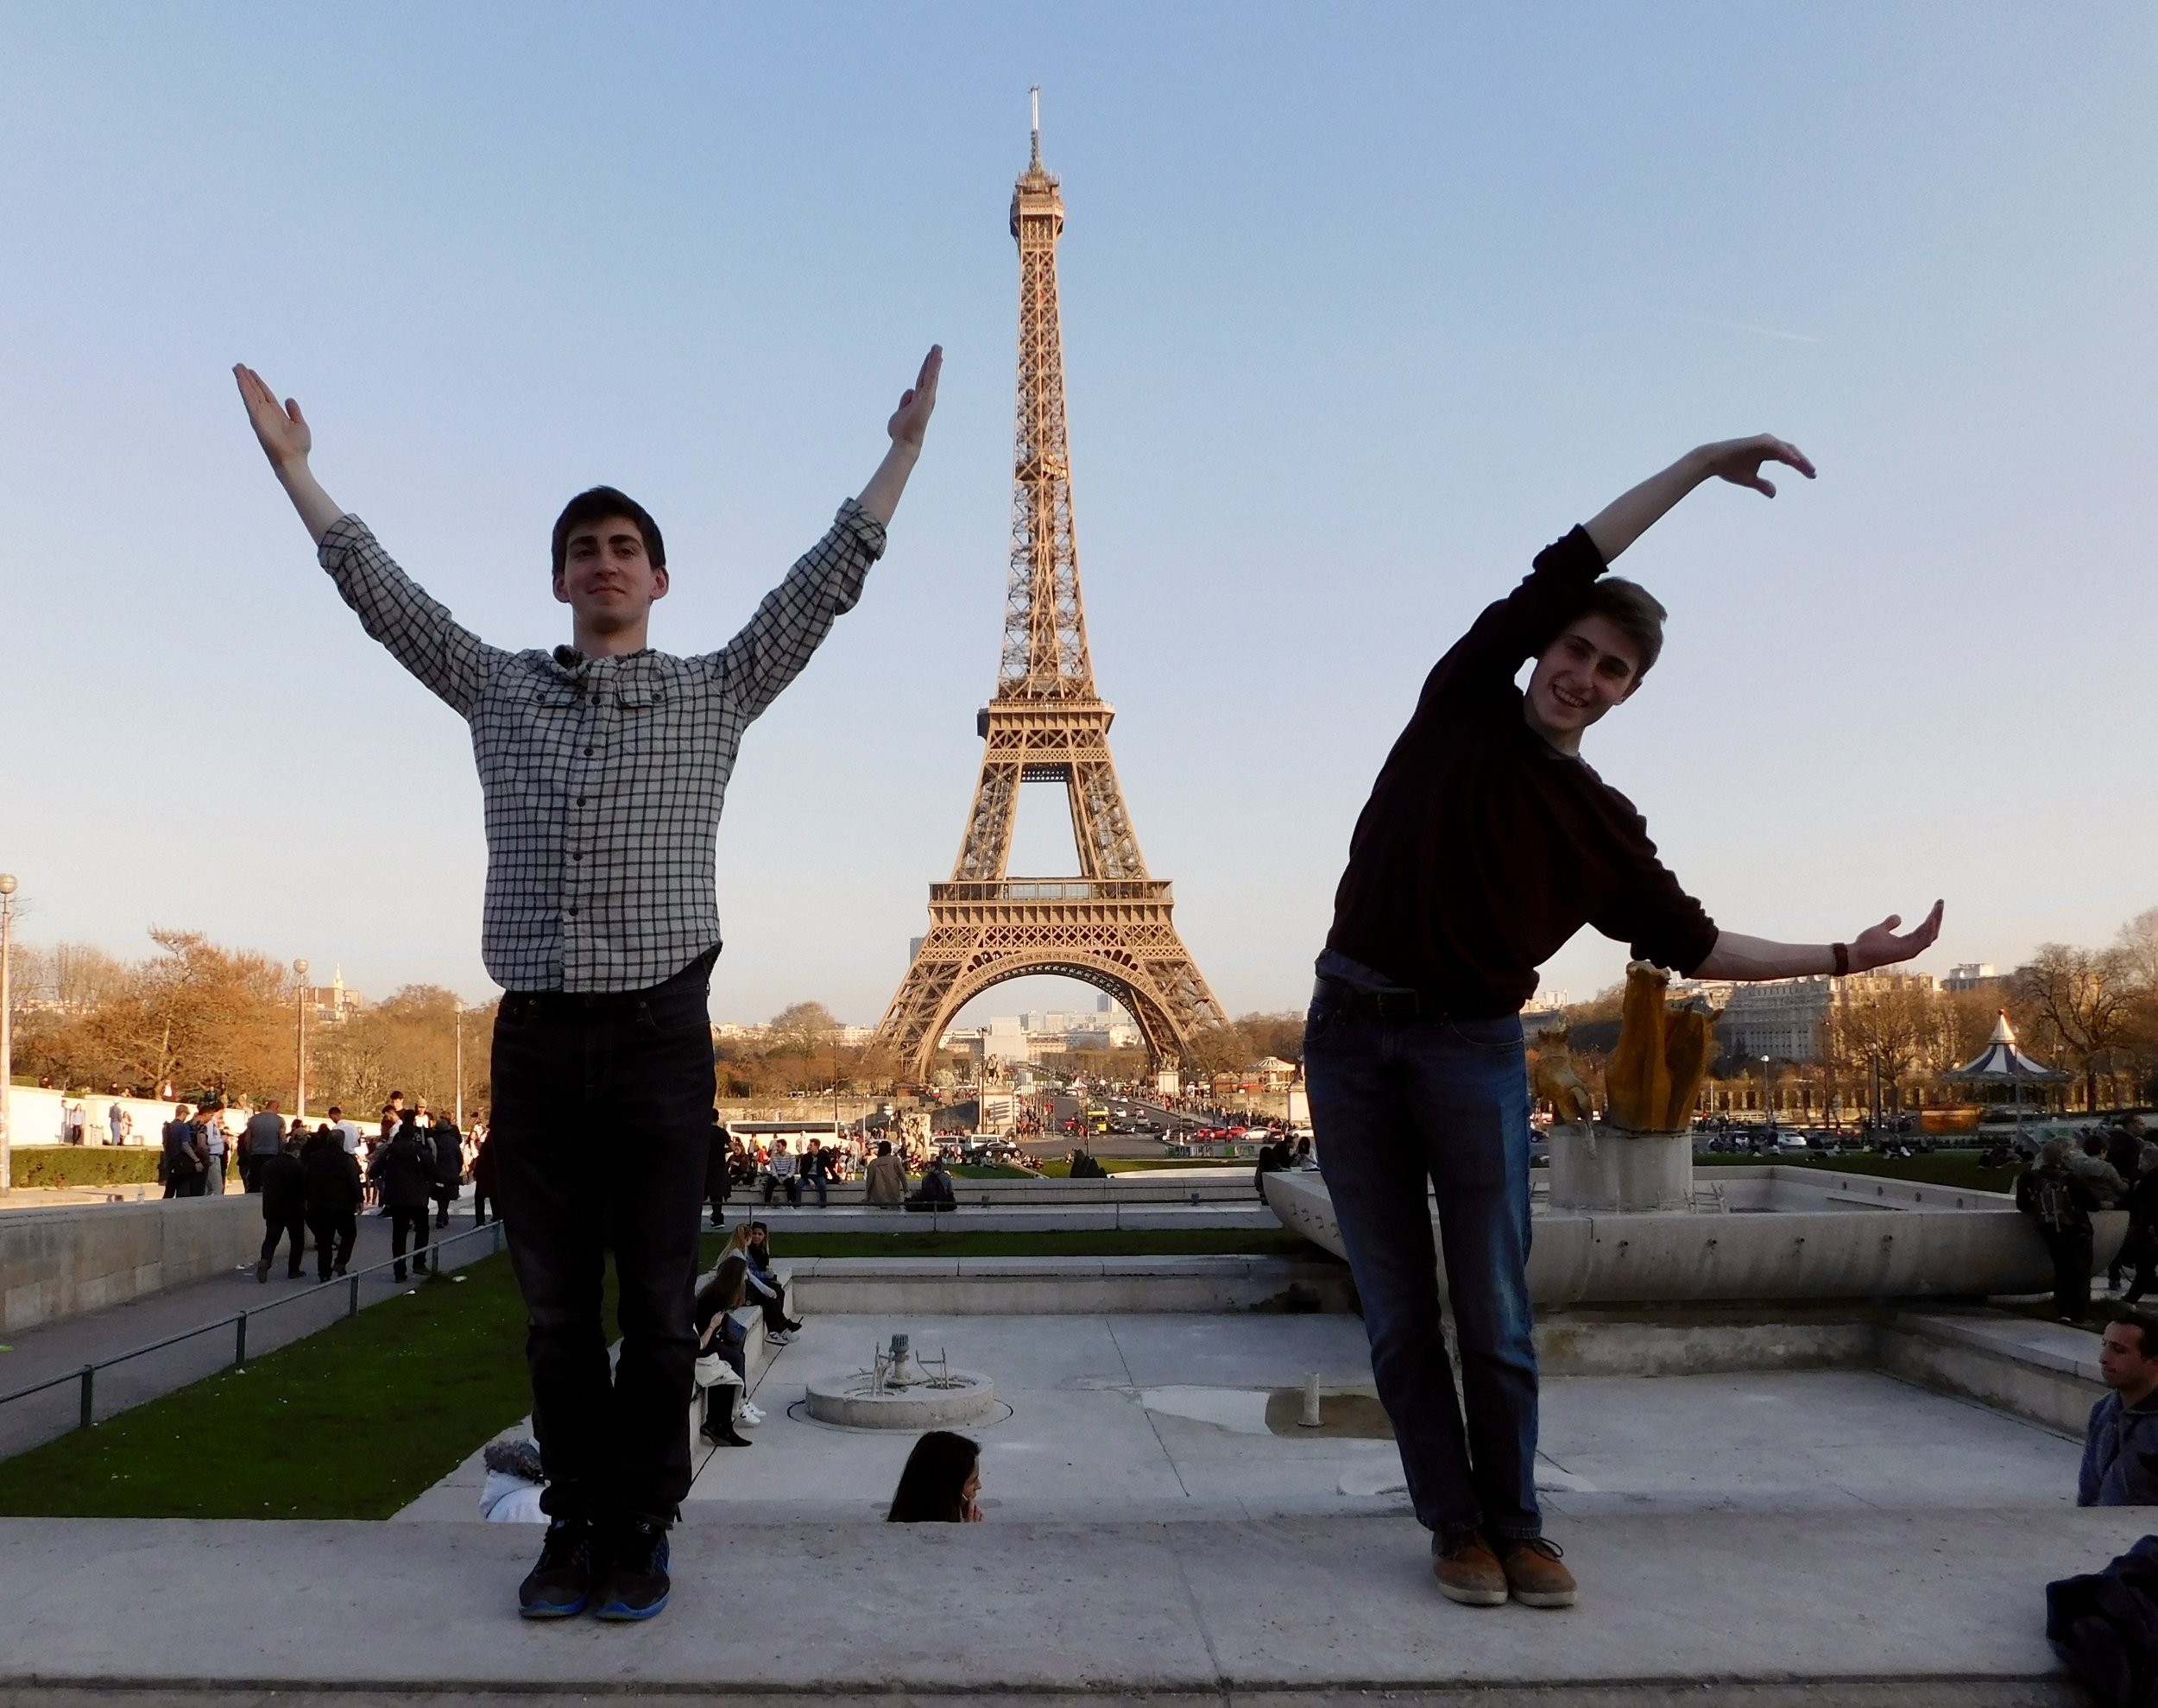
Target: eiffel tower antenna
1111,927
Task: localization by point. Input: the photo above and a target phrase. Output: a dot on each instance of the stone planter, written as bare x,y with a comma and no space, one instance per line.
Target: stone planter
1596,1166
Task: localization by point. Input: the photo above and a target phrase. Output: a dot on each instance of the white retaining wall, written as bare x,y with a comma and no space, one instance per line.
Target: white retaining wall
62,1262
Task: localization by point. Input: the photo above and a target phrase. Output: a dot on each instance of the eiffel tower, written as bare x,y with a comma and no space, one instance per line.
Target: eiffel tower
1110,926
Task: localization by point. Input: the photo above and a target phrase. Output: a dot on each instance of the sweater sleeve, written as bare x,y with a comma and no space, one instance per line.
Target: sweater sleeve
1650,912
1522,624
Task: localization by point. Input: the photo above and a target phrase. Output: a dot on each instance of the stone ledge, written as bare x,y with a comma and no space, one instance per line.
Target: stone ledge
1869,1607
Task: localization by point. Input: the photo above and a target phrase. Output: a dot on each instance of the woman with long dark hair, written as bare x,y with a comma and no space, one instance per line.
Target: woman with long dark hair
719,1354
942,1479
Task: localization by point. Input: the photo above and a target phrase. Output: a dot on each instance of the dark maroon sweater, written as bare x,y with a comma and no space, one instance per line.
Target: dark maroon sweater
1483,848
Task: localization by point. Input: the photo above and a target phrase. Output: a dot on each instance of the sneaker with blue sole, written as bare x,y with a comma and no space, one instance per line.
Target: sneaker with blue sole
560,1585
637,1582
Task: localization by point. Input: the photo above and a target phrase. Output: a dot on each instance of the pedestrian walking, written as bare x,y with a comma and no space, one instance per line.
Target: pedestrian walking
2061,1203
404,1169
263,1138
332,1192
217,1140
486,1182
283,1181
181,1162
449,1167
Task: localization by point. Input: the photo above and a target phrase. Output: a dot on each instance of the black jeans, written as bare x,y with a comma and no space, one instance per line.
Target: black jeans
2072,1253
601,1110
294,1223
412,1221
334,1232
2139,1249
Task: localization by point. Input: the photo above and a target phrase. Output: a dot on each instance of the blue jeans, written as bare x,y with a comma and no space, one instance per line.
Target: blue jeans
1398,1102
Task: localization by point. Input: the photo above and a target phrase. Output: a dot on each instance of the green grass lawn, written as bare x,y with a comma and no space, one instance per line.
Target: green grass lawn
352,1423
1061,1168
991,1171
1958,1169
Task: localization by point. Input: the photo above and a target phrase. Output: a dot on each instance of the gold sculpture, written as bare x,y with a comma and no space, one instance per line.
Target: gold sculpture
1655,1072
1554,1081
1109,926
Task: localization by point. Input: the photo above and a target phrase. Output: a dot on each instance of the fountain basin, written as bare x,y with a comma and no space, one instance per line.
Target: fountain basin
964,1397
1763,1234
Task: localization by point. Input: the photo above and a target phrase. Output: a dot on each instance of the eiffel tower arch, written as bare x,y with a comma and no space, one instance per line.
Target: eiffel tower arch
1110,926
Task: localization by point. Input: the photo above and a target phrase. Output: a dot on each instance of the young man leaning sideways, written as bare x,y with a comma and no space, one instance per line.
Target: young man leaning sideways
603,764
1486,845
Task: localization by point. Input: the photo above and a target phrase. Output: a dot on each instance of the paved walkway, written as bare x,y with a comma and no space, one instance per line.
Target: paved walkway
1123,1418
61,1348
1914,1608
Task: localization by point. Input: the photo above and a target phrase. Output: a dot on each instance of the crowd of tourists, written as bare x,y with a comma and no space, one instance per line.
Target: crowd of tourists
316,1182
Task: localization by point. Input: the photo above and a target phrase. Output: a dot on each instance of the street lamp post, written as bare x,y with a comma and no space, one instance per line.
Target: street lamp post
299,1075
459,1117
7,1032
1767,1119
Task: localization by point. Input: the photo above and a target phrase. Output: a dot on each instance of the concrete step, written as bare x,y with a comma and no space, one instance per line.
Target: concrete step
1853,1606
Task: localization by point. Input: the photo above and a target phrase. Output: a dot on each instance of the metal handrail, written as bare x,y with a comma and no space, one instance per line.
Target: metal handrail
87,1374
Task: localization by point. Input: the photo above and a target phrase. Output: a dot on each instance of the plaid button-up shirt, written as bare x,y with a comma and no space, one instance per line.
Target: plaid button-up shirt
603,778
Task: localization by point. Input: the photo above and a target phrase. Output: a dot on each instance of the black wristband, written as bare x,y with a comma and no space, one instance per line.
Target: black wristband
1843,958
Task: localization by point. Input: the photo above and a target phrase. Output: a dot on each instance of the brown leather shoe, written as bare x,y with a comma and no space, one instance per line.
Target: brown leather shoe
1468,1572
1535,1574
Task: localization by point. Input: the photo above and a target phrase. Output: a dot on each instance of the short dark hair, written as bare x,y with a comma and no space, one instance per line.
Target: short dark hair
596,504
2144,1324
1633,610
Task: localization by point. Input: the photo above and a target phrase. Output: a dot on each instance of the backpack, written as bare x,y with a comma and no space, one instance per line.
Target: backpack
2054,1206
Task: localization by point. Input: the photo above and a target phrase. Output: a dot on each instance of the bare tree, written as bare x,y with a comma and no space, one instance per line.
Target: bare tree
2087,999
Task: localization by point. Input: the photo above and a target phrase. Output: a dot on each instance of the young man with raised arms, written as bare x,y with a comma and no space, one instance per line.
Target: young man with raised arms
1486,844
603,764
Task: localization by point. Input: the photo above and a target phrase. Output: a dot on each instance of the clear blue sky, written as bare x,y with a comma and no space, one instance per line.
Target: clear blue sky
1363,306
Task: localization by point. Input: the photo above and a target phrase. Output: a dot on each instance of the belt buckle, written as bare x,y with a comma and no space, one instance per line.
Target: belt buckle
1397,1004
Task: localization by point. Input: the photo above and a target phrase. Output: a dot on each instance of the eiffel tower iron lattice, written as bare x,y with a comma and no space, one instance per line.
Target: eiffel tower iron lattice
1110,926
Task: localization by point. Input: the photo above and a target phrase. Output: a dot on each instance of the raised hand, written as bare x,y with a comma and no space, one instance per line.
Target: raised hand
281,430
1880,946
910,420
1739,461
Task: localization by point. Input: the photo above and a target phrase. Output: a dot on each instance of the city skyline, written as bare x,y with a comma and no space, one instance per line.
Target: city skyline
1466,280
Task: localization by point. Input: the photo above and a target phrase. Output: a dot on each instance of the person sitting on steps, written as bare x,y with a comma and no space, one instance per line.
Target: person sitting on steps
748,1241
721,1361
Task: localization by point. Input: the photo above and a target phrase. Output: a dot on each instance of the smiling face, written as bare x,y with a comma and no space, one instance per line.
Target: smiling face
1590,668
607,578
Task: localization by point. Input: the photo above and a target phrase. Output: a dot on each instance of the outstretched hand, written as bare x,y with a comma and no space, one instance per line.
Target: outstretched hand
910,420
280,428
1880,946
1739,460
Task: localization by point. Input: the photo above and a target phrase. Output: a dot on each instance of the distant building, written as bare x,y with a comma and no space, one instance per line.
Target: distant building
1973,975
1787,1019
331,1004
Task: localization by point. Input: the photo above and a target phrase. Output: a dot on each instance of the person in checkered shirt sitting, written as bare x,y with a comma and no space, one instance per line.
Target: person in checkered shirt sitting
603,764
